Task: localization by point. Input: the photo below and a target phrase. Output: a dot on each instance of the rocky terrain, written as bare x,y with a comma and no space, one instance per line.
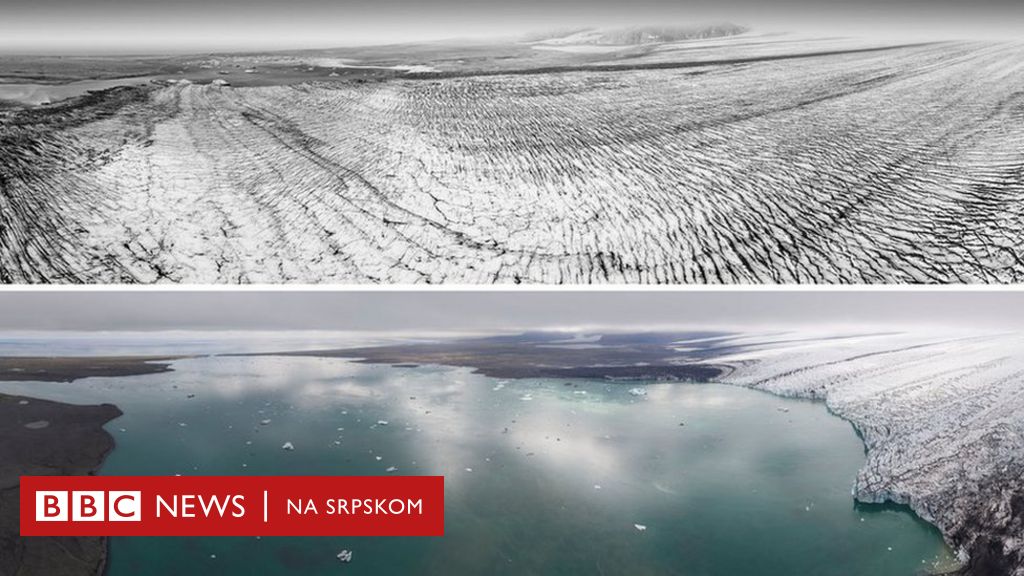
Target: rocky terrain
71,368
39,438
718,160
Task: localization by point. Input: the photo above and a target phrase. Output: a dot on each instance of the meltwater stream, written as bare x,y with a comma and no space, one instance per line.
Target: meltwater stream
541,476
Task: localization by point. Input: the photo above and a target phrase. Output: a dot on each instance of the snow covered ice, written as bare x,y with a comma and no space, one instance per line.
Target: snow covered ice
941,415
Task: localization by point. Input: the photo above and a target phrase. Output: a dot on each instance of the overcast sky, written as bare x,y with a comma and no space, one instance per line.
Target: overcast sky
502,311
184,25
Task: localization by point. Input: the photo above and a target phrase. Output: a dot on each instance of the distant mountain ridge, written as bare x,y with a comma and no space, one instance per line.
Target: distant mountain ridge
636,35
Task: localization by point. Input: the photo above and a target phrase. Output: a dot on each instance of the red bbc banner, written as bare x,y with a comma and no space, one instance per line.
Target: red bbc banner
232,505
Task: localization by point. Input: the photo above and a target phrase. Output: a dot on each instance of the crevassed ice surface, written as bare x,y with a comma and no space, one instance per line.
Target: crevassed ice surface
942,416
899,165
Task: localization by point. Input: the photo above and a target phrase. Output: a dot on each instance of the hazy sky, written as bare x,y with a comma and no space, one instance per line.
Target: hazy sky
503,311
160,25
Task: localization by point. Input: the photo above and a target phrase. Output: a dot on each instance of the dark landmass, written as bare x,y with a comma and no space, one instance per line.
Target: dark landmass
71,368
287,66
645,356
669,65
42,438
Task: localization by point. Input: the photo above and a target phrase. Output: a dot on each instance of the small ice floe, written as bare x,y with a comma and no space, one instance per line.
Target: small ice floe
220,82
637,392
288,446
250,70
213,556
498,386
37,425
379,458
469,469
345,556
22,402
640,527
597,486
782,409
265,421
122,430
392,469
182,424
526,397
382,422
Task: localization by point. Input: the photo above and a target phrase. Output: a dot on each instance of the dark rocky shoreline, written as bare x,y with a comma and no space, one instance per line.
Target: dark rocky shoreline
63,439
71,368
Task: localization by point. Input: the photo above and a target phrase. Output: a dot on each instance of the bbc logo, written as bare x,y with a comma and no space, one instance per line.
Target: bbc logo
89,506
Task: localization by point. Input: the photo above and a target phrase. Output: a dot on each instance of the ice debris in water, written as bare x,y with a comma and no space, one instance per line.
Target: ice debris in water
288,446
37,425
640,527
392,469
264,422
637,392
382,422
345,555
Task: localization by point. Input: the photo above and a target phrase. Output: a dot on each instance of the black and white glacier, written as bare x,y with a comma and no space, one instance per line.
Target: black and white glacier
744,158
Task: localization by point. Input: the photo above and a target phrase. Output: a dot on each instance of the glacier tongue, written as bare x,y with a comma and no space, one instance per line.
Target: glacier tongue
942,417
895,166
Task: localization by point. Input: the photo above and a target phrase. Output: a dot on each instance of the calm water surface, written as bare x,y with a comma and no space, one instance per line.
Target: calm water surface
541,476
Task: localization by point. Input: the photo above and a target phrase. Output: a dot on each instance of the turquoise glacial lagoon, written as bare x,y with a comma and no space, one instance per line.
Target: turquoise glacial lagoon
541,476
